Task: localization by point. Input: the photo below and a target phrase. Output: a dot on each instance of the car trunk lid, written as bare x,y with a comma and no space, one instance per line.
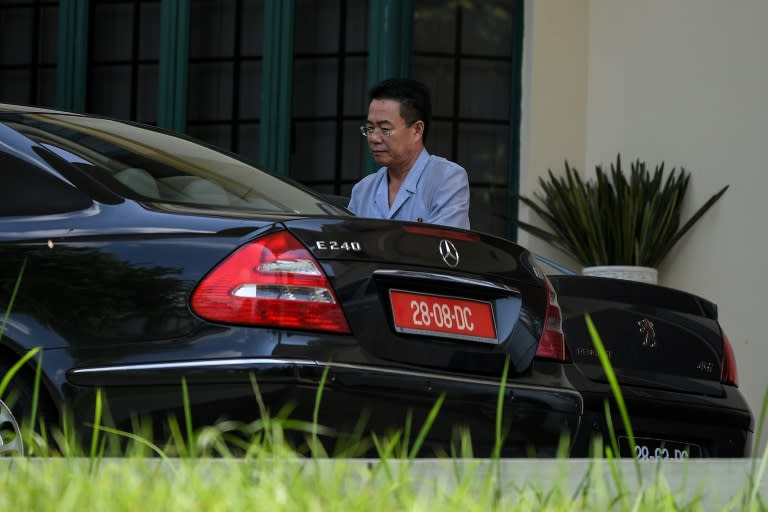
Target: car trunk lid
431,296
655,337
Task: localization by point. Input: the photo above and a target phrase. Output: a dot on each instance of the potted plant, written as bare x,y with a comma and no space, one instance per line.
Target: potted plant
615,219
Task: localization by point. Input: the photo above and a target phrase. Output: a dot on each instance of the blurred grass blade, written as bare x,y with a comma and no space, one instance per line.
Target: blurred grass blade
427,426
15,368
96,424
12,299
316,448
613,382
756,478
191,442
499,437
137,438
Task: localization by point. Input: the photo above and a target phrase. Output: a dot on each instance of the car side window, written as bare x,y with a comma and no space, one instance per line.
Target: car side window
28,189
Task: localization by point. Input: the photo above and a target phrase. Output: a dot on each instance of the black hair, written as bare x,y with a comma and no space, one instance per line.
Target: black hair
413,96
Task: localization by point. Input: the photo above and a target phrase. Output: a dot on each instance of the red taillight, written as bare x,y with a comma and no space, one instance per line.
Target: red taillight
552,342
728,373
273,281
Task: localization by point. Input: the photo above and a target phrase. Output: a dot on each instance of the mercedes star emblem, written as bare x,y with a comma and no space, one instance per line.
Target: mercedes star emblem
449,253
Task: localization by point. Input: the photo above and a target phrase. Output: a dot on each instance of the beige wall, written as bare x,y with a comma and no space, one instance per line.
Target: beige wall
554,96
682,82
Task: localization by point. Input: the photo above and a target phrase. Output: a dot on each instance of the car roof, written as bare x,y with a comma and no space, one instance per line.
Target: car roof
27,109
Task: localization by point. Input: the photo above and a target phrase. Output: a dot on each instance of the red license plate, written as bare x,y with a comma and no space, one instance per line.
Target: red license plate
438,315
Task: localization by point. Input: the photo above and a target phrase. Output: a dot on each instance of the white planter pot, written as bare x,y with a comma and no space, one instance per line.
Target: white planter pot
631,273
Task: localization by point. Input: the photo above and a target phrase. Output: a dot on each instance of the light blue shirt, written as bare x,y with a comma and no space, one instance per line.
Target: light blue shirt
435,191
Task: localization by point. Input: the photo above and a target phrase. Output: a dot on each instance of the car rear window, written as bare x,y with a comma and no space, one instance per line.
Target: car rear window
148,164
28,189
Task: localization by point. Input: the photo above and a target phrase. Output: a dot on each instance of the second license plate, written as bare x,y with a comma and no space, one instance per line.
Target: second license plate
439,315
655,449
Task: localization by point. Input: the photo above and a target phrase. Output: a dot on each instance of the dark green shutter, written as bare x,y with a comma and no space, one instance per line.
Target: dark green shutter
72,55
277,86
390,41
174,65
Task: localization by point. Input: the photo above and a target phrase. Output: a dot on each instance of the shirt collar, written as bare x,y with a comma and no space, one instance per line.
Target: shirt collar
408,187
417,169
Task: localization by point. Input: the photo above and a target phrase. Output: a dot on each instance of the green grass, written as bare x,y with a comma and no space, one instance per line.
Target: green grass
196,470
283,482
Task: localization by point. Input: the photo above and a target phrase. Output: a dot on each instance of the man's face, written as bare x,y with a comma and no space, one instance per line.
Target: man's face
402,145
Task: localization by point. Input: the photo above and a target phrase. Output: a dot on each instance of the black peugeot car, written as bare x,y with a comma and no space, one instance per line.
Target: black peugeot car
143,263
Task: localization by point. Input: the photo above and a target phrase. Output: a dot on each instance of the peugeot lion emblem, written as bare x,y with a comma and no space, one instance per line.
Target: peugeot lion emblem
646,329
449,253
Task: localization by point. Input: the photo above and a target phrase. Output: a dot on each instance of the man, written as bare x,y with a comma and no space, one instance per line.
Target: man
411,184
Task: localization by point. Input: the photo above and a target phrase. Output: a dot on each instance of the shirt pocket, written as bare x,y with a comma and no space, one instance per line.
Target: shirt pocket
414,210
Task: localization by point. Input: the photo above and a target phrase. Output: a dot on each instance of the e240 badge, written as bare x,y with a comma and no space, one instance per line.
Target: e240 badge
333,245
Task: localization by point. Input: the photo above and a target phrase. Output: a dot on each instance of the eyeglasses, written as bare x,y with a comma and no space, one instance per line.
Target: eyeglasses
367,131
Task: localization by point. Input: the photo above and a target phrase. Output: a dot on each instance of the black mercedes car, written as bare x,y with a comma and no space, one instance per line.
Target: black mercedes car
156,272
140,262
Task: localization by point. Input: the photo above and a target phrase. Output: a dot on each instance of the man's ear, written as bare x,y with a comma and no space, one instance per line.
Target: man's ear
418,128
